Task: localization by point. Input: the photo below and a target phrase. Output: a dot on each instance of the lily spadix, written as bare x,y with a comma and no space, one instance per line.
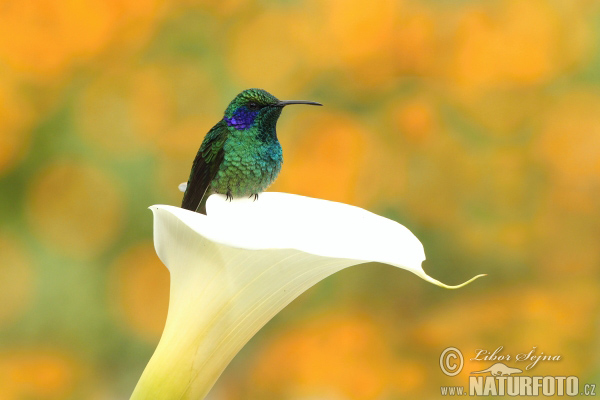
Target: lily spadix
233,269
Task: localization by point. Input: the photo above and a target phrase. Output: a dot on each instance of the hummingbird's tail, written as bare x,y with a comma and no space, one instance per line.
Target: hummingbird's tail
202,206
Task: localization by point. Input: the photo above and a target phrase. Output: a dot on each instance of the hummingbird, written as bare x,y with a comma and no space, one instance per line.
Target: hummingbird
240,156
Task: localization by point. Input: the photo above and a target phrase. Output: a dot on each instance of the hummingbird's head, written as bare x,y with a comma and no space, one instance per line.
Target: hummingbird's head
257,108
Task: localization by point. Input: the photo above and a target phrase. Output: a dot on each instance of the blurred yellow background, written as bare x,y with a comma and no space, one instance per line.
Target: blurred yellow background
474,123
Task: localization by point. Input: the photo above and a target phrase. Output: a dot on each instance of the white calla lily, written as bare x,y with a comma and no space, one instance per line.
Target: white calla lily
233,269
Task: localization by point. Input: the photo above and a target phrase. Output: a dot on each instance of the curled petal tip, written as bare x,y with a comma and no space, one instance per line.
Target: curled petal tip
441,284
462,284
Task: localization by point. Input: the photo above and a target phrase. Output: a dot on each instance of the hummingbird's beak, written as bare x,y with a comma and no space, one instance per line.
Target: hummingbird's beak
283,103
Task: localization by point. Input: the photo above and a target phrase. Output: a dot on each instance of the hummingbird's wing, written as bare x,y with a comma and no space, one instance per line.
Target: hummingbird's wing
205,168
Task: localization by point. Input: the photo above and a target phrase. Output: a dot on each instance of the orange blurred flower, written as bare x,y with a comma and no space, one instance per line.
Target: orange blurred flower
42,38
140,286
37,373
328,160
345,354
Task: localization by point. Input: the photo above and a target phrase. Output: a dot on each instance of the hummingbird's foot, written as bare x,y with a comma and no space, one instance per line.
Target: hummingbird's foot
255,195
228,196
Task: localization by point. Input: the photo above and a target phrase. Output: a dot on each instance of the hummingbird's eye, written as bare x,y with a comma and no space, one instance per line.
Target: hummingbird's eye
252,106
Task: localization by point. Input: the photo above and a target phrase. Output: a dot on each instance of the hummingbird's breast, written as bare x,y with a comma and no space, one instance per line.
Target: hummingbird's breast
249,166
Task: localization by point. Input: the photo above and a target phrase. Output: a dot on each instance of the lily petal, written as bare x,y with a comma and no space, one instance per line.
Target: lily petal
233,269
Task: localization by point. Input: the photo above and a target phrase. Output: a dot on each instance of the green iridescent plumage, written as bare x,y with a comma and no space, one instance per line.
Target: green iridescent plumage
241,155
